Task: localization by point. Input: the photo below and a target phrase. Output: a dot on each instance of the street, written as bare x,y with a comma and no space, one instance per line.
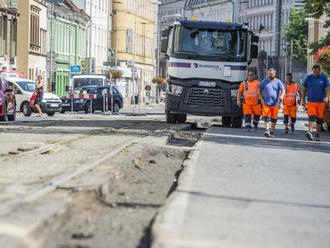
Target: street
130,180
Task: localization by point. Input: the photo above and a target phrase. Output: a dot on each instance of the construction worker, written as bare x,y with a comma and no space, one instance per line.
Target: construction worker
271,92
290,103
251,104
316,86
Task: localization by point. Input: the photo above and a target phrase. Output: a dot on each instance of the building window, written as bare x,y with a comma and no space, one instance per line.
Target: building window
129,41
35,29
43,34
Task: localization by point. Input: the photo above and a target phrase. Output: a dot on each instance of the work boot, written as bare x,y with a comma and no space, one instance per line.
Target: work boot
309,136
255,127
267,133
317,137
248,128
292,128
286,130
272,134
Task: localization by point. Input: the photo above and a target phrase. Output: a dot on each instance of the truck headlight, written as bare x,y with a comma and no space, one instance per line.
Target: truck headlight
233,93
175,89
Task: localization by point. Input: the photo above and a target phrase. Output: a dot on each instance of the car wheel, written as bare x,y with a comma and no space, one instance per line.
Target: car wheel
26,109
226,121
13,116
237,122
116,108
170,117
88,108
4,117
181,118
51,114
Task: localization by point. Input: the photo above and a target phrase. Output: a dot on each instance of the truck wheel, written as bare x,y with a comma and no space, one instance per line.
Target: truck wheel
237,122
170,117
181,118
226,121
26,109
51,113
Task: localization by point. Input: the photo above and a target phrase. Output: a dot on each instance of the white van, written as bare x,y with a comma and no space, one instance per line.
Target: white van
82,80
24,89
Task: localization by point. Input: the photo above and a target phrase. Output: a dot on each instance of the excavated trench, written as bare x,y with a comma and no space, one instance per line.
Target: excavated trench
120,212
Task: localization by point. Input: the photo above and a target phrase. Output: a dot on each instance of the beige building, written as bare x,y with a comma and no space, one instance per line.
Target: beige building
316,31
133,25
32,32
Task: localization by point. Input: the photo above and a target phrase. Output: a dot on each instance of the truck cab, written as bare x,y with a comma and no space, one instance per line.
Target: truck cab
206,62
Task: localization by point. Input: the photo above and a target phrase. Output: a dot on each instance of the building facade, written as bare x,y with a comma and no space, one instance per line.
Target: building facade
32,34
99,33
316,31
69,38
8,34
133,42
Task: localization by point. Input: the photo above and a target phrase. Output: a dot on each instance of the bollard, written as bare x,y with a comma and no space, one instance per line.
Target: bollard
106,102
111,102
91,97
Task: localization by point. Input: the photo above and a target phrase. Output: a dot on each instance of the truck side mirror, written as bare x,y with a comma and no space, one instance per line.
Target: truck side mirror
254,51
163,45
166,32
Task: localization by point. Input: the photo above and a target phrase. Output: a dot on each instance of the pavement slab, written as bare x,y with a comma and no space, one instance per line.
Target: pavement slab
245,190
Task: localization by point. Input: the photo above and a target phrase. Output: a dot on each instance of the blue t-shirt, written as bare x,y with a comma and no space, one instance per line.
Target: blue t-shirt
272,91
316,87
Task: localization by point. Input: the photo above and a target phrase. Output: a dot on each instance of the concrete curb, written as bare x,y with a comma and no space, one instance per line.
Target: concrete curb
172,212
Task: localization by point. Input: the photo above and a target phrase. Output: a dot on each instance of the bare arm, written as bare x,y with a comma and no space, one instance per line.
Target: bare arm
282,93
260,95
303,98
239,94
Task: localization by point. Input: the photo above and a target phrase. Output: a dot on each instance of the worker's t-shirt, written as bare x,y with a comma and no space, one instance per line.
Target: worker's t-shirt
271,91
316,87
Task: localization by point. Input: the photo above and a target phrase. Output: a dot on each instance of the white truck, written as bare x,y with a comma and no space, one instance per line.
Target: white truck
206,61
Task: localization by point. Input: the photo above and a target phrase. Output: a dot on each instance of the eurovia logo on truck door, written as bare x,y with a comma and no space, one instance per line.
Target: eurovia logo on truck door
213,67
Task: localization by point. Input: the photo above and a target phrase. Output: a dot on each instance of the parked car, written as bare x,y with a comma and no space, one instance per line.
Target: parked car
7,102
97,103
24,89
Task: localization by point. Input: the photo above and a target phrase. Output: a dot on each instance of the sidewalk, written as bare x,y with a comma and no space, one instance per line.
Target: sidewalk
244,190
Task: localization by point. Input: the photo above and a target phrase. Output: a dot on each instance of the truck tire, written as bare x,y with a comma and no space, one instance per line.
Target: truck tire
226,121
170,117
51,113
181,118
237,122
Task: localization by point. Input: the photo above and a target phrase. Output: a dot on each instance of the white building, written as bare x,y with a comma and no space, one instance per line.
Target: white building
99,34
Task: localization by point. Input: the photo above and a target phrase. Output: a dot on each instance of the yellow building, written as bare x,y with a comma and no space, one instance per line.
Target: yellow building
31,38
133,25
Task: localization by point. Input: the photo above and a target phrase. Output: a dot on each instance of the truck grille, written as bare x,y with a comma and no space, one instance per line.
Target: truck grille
208,96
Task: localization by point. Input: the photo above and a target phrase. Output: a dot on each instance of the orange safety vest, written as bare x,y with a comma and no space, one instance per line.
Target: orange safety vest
250,92
290,96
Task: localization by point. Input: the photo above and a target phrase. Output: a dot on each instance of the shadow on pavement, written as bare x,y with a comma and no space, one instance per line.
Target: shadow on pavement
296,141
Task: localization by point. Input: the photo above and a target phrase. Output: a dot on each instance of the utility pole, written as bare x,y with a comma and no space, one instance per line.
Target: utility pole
291,55
116,50
51,46
90,34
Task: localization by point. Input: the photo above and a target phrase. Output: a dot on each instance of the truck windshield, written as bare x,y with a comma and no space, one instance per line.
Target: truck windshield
80,82
219,44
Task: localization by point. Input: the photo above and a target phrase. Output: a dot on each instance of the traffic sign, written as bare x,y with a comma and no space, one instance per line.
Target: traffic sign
75,68
52,54
54,66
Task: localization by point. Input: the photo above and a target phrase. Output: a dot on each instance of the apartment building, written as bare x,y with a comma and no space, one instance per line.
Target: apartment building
32,35
8,34
133,38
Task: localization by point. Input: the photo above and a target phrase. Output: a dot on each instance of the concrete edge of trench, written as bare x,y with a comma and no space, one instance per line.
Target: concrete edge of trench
170,217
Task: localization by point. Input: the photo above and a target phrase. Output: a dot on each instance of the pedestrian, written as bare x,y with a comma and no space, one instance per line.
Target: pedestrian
251,104
316,86
271,92
292,89
39,93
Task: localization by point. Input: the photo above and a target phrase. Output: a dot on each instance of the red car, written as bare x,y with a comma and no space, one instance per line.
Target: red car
7,102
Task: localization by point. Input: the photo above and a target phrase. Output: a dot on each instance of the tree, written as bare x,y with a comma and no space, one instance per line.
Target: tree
318,8
296,31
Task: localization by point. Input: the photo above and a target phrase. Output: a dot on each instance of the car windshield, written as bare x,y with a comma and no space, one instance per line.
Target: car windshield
27,86
227,45
80,82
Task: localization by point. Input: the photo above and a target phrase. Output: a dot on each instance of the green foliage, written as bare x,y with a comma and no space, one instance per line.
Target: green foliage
158,80
296,31
324,41
317,8
114,74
